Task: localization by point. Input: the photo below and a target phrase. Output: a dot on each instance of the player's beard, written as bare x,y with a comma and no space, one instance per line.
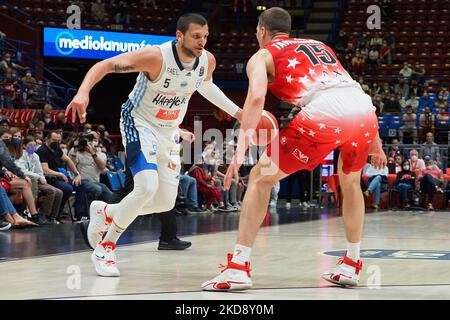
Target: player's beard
190,53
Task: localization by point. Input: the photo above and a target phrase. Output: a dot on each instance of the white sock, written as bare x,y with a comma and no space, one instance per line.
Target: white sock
113,233
241,254
353,250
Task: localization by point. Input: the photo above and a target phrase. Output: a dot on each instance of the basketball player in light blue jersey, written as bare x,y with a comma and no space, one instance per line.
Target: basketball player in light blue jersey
168,76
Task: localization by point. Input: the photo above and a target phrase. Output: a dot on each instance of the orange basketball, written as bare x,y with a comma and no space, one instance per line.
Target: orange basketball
266,130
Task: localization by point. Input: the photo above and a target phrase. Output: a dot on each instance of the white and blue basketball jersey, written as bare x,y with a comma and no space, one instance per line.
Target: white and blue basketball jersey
163,102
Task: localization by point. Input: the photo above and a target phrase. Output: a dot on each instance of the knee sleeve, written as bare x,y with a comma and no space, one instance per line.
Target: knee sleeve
164,199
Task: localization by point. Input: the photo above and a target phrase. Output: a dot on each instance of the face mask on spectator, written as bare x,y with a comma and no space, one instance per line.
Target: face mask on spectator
414,158
7,142
88,130
31,149
16,141
94,143
406,167
47,120
54,146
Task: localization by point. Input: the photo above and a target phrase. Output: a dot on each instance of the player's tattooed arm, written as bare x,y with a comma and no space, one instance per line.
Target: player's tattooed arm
118,68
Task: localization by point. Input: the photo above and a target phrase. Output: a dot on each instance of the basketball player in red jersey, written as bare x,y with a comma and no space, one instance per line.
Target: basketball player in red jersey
336,113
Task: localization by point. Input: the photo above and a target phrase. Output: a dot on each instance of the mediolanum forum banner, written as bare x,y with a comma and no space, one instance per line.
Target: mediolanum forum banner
90,44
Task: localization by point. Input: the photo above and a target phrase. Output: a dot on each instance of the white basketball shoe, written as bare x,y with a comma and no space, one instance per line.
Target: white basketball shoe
104,260
232,278
98,223
346,272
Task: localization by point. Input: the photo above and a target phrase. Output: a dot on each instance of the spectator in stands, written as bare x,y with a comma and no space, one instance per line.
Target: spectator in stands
377,180
418,73
4,123
398,159
394,149
406,181
411,102
230,197
431,181
445,94
105,140
378,104
210,156
430,148
375,89
91,163
392,105
357,65
274,195
9,213
212,193
385,53
409,125
51,95
415,162
188,187
7,63
364,40
363,85
98,11
17,178
406,71
52,158
426,122
341,41
373,59
121,14
441,101
30,82
30,164
376,41
442,115
62,123
401,89
302,179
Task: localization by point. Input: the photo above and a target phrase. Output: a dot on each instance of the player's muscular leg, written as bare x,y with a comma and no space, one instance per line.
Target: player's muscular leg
353,203
256,200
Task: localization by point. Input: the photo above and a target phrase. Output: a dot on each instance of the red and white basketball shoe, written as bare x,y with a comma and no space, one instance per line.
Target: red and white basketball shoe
98,223
346,273
104,260
232,278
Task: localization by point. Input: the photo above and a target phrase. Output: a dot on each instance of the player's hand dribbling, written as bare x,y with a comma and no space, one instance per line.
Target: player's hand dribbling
78,105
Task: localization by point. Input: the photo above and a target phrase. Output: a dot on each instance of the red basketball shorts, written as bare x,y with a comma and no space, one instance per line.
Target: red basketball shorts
349,124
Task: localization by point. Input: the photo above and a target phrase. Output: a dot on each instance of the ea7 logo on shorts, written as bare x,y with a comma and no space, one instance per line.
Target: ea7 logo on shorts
300,156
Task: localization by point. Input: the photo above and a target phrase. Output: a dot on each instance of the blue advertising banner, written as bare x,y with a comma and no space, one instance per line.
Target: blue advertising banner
90,44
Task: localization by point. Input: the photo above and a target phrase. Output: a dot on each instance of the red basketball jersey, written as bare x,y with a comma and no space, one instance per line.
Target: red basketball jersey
304,67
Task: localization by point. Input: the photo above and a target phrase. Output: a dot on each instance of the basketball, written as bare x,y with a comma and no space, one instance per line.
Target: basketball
266,129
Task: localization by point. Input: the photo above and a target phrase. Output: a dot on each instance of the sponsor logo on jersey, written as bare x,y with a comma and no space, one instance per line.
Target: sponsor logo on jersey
300,156
397,254
172,71
201,72
164,101
198,83
171,166
167,114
